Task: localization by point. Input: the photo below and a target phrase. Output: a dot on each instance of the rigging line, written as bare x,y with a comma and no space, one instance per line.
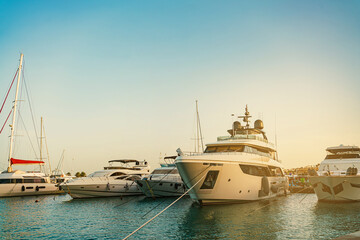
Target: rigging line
176,191
163,209
8,91
31,111
5,121
27,133
47,150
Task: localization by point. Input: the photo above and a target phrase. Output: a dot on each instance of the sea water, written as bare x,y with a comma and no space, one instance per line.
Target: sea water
297,216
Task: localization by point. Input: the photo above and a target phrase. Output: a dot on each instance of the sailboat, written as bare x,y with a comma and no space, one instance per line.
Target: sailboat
17,182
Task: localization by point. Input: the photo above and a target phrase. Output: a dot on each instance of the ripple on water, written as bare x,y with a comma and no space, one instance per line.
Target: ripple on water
297,216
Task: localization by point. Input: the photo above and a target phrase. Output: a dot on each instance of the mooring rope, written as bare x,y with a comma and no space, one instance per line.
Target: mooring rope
164,209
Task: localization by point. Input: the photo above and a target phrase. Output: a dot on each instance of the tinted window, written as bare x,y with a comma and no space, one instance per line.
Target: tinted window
255,170
229,148
117,174
2,181
276,171
342,156
210,180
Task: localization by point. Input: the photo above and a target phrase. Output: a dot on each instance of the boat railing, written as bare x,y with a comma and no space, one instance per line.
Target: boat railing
237,137
227,153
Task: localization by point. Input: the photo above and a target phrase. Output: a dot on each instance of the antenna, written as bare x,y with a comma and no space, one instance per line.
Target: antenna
277,155
246,117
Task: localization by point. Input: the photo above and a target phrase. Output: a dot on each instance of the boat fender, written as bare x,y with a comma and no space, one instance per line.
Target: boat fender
37,188
60,188
23,188
108,186
265,185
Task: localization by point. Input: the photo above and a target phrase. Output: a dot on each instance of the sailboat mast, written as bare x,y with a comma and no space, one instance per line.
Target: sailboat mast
41,137
14,112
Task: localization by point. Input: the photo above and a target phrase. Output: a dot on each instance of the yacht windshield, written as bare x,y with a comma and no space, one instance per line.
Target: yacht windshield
240,148
342,156
230,148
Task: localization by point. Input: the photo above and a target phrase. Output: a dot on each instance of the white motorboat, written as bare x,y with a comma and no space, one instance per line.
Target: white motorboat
164,181
338,178
237,168
113,181
16,182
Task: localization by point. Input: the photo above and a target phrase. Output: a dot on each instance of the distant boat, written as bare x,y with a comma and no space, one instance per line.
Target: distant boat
20,183
237,168
113,181
164,181
338,177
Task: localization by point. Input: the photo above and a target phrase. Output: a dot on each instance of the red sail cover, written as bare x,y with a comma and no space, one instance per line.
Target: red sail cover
19,161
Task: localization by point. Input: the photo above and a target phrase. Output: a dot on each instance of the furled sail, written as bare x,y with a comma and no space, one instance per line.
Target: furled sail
19,161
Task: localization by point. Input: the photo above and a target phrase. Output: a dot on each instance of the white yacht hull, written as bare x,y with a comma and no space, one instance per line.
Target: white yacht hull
92,190
336,188
27,189
231,185
156,188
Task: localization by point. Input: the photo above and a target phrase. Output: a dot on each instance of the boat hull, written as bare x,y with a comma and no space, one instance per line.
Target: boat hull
336,188
231,184
28,189
101,190
155,188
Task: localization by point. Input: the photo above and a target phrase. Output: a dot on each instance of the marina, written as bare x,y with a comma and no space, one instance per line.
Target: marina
100,131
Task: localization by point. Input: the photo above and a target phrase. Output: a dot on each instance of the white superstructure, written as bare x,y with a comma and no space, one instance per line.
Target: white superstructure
163,182
338,178
236,168
111,182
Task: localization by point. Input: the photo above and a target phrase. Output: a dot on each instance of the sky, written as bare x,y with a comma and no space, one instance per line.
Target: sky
119,79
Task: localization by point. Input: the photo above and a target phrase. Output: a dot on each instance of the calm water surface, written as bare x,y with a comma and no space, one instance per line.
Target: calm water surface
298,216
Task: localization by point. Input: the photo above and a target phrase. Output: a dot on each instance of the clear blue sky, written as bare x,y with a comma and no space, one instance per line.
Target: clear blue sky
119,79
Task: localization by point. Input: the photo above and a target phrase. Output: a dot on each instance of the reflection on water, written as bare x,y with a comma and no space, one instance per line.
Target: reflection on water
298,216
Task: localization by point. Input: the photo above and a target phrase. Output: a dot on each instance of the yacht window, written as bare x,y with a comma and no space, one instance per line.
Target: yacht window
210,149
255,170
229,148
117,174
122,177
236,149
34,180
276,171
342,156
3,181
210,180
257,151
133,178
222,149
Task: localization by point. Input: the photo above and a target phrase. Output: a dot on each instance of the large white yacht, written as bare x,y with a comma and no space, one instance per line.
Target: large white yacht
338,178
16,182
164,181
111,182
237,168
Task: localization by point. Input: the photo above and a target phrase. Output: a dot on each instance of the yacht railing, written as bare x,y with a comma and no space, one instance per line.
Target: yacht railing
228,153
237,137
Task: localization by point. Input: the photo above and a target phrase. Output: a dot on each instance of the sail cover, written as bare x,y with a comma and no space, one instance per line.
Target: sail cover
19,161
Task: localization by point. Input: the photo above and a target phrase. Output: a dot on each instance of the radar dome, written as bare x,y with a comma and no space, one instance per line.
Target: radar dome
259,124
236,125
